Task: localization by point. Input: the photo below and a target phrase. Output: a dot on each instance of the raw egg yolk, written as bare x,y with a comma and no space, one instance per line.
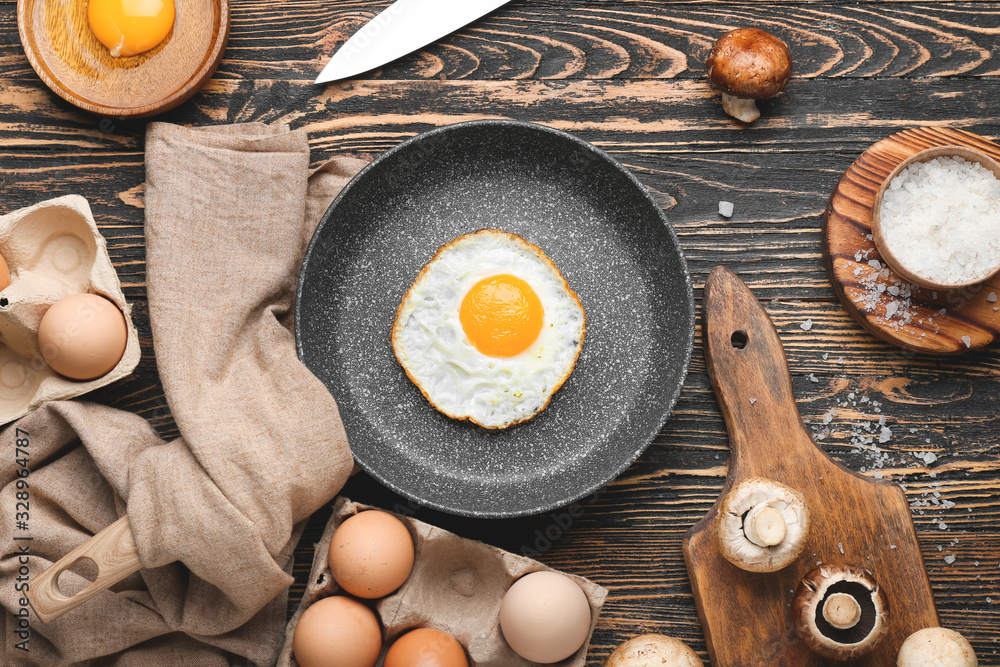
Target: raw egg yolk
501,315
130,27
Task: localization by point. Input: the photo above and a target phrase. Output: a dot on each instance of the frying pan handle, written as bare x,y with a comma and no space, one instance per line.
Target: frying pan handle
114,552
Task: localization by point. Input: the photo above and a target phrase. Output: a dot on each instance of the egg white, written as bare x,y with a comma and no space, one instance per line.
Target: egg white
457,379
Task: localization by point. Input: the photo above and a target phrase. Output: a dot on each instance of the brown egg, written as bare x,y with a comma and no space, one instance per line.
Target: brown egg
426,647
337,632
371,554
83,336
545,617
4,274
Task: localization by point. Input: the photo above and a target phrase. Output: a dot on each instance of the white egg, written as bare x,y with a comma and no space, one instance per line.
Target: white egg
489,330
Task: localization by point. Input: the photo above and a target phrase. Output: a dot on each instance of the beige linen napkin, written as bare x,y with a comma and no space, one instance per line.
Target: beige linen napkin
216,513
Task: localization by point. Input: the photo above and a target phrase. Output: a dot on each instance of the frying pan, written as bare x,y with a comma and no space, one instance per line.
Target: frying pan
611,242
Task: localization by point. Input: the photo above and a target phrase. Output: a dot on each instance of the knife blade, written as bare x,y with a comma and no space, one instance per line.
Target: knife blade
403,27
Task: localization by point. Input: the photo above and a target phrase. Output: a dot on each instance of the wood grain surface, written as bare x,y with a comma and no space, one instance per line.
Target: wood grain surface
746,615
629,77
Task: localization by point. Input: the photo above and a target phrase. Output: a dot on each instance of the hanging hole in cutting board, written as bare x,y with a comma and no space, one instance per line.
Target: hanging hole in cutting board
739,339
81,567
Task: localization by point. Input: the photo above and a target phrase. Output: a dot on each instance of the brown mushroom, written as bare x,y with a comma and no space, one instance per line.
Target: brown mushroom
840,612
653,651
748,64
936,646
762,525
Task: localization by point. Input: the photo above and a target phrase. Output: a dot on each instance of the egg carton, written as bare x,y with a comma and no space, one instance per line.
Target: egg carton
53,250
456,586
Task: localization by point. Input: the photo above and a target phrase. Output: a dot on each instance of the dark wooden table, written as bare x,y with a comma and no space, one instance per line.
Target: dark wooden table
629,77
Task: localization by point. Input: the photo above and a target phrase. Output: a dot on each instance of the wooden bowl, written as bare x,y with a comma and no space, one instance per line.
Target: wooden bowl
970,154
67,56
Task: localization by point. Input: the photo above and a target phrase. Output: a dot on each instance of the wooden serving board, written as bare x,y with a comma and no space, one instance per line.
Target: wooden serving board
930,321
855,520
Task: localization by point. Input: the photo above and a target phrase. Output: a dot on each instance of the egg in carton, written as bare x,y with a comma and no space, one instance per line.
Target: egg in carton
456,585
52,250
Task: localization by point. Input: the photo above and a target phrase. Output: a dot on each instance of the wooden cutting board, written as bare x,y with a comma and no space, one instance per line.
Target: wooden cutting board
855,520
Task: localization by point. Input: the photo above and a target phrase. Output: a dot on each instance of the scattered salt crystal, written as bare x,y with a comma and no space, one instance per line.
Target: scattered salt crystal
949,559
992,298
891,309
892,546
967,340
812,377
841,546
807,325
930,457
726,209
752,401
875,264
885,435
943,526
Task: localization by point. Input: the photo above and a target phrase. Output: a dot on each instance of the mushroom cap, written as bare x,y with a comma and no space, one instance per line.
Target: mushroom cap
757,493
653,651
936,646
749,63
818,634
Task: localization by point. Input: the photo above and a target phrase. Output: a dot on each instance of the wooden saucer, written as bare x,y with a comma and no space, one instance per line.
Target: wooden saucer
883,302
67,56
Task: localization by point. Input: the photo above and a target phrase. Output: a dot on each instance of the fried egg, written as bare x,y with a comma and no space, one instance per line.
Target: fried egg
489,330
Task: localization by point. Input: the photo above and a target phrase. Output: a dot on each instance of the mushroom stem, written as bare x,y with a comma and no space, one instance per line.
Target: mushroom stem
764,526
742,109
842,611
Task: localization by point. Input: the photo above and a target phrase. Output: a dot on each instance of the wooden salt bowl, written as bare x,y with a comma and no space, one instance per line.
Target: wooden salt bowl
67,56
884,249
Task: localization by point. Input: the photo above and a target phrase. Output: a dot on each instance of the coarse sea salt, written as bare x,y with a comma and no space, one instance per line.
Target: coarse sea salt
941,219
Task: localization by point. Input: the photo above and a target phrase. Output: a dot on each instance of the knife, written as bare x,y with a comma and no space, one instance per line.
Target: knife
404,26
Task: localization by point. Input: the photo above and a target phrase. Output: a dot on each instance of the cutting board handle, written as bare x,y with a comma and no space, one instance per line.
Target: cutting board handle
747,366
114,552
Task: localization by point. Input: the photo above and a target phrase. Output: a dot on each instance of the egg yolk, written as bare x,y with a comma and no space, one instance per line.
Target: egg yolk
130,27
501,316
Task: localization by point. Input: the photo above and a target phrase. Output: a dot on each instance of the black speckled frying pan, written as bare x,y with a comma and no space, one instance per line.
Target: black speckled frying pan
598,225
